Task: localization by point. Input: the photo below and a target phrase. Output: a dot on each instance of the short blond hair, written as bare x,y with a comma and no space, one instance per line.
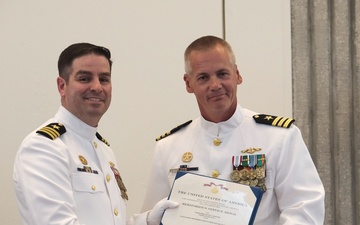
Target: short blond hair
206,43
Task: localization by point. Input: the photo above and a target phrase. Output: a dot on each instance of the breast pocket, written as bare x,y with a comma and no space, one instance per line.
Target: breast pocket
87,182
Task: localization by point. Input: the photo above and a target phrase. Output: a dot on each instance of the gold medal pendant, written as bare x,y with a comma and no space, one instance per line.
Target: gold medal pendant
187,157
235,175
119,181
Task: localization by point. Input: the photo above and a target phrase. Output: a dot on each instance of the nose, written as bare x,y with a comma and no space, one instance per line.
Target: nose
96,86
215,83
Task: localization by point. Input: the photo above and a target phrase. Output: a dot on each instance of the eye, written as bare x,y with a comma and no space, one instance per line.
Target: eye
202,77
105,79
84,79
222,74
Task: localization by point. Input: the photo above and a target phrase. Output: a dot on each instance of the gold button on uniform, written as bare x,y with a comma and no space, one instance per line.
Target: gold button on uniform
215,173
93,187
217,141
108,178
116,212
95,144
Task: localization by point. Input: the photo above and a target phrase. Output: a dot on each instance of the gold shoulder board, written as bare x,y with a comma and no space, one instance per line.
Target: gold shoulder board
277,121
173,130
102,139
52,131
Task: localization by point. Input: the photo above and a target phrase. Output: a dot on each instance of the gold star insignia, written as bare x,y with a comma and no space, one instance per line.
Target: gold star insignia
56,127
268,118
187,157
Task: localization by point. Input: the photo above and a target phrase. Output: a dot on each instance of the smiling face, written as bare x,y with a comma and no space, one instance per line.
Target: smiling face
87,94
213,80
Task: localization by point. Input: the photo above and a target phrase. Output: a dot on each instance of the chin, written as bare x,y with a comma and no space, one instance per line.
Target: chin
221,105
97,112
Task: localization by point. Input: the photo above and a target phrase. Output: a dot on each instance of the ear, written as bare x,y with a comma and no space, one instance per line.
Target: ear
187,83
61,83
239,77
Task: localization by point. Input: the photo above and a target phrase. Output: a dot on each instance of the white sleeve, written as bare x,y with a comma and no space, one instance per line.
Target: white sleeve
158,186
43,183
299,190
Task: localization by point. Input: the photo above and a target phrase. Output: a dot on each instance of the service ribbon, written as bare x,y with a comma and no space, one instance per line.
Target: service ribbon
236,161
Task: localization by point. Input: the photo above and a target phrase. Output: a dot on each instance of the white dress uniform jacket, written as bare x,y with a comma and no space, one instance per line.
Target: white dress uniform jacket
68,180
295,194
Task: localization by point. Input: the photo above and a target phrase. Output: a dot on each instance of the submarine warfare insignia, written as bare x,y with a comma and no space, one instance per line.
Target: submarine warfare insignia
249,170
173,130
52,131
119,181
273,120
251,150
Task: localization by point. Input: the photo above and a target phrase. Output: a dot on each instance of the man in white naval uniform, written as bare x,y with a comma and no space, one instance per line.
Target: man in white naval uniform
65,172
294,193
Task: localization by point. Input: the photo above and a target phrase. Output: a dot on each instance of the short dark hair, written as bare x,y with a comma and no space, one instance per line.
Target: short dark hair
206,43
77,50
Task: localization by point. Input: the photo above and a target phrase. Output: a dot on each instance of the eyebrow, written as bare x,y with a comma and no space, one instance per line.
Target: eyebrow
217,71
223,70
85,72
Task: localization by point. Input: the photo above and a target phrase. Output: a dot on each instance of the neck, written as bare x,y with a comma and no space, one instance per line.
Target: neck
218,117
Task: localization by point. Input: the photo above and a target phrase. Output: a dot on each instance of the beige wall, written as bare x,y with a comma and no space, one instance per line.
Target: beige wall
147,40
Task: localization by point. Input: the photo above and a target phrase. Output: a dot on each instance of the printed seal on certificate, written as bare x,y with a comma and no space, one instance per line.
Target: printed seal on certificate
207,200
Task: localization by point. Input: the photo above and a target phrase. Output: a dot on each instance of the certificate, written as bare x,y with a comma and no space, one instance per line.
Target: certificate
206,200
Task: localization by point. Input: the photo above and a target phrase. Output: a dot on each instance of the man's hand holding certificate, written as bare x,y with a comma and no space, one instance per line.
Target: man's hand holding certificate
206,200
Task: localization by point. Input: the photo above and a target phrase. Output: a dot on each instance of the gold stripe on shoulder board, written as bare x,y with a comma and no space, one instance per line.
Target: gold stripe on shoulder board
173,130
102,139
52,131
277,121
